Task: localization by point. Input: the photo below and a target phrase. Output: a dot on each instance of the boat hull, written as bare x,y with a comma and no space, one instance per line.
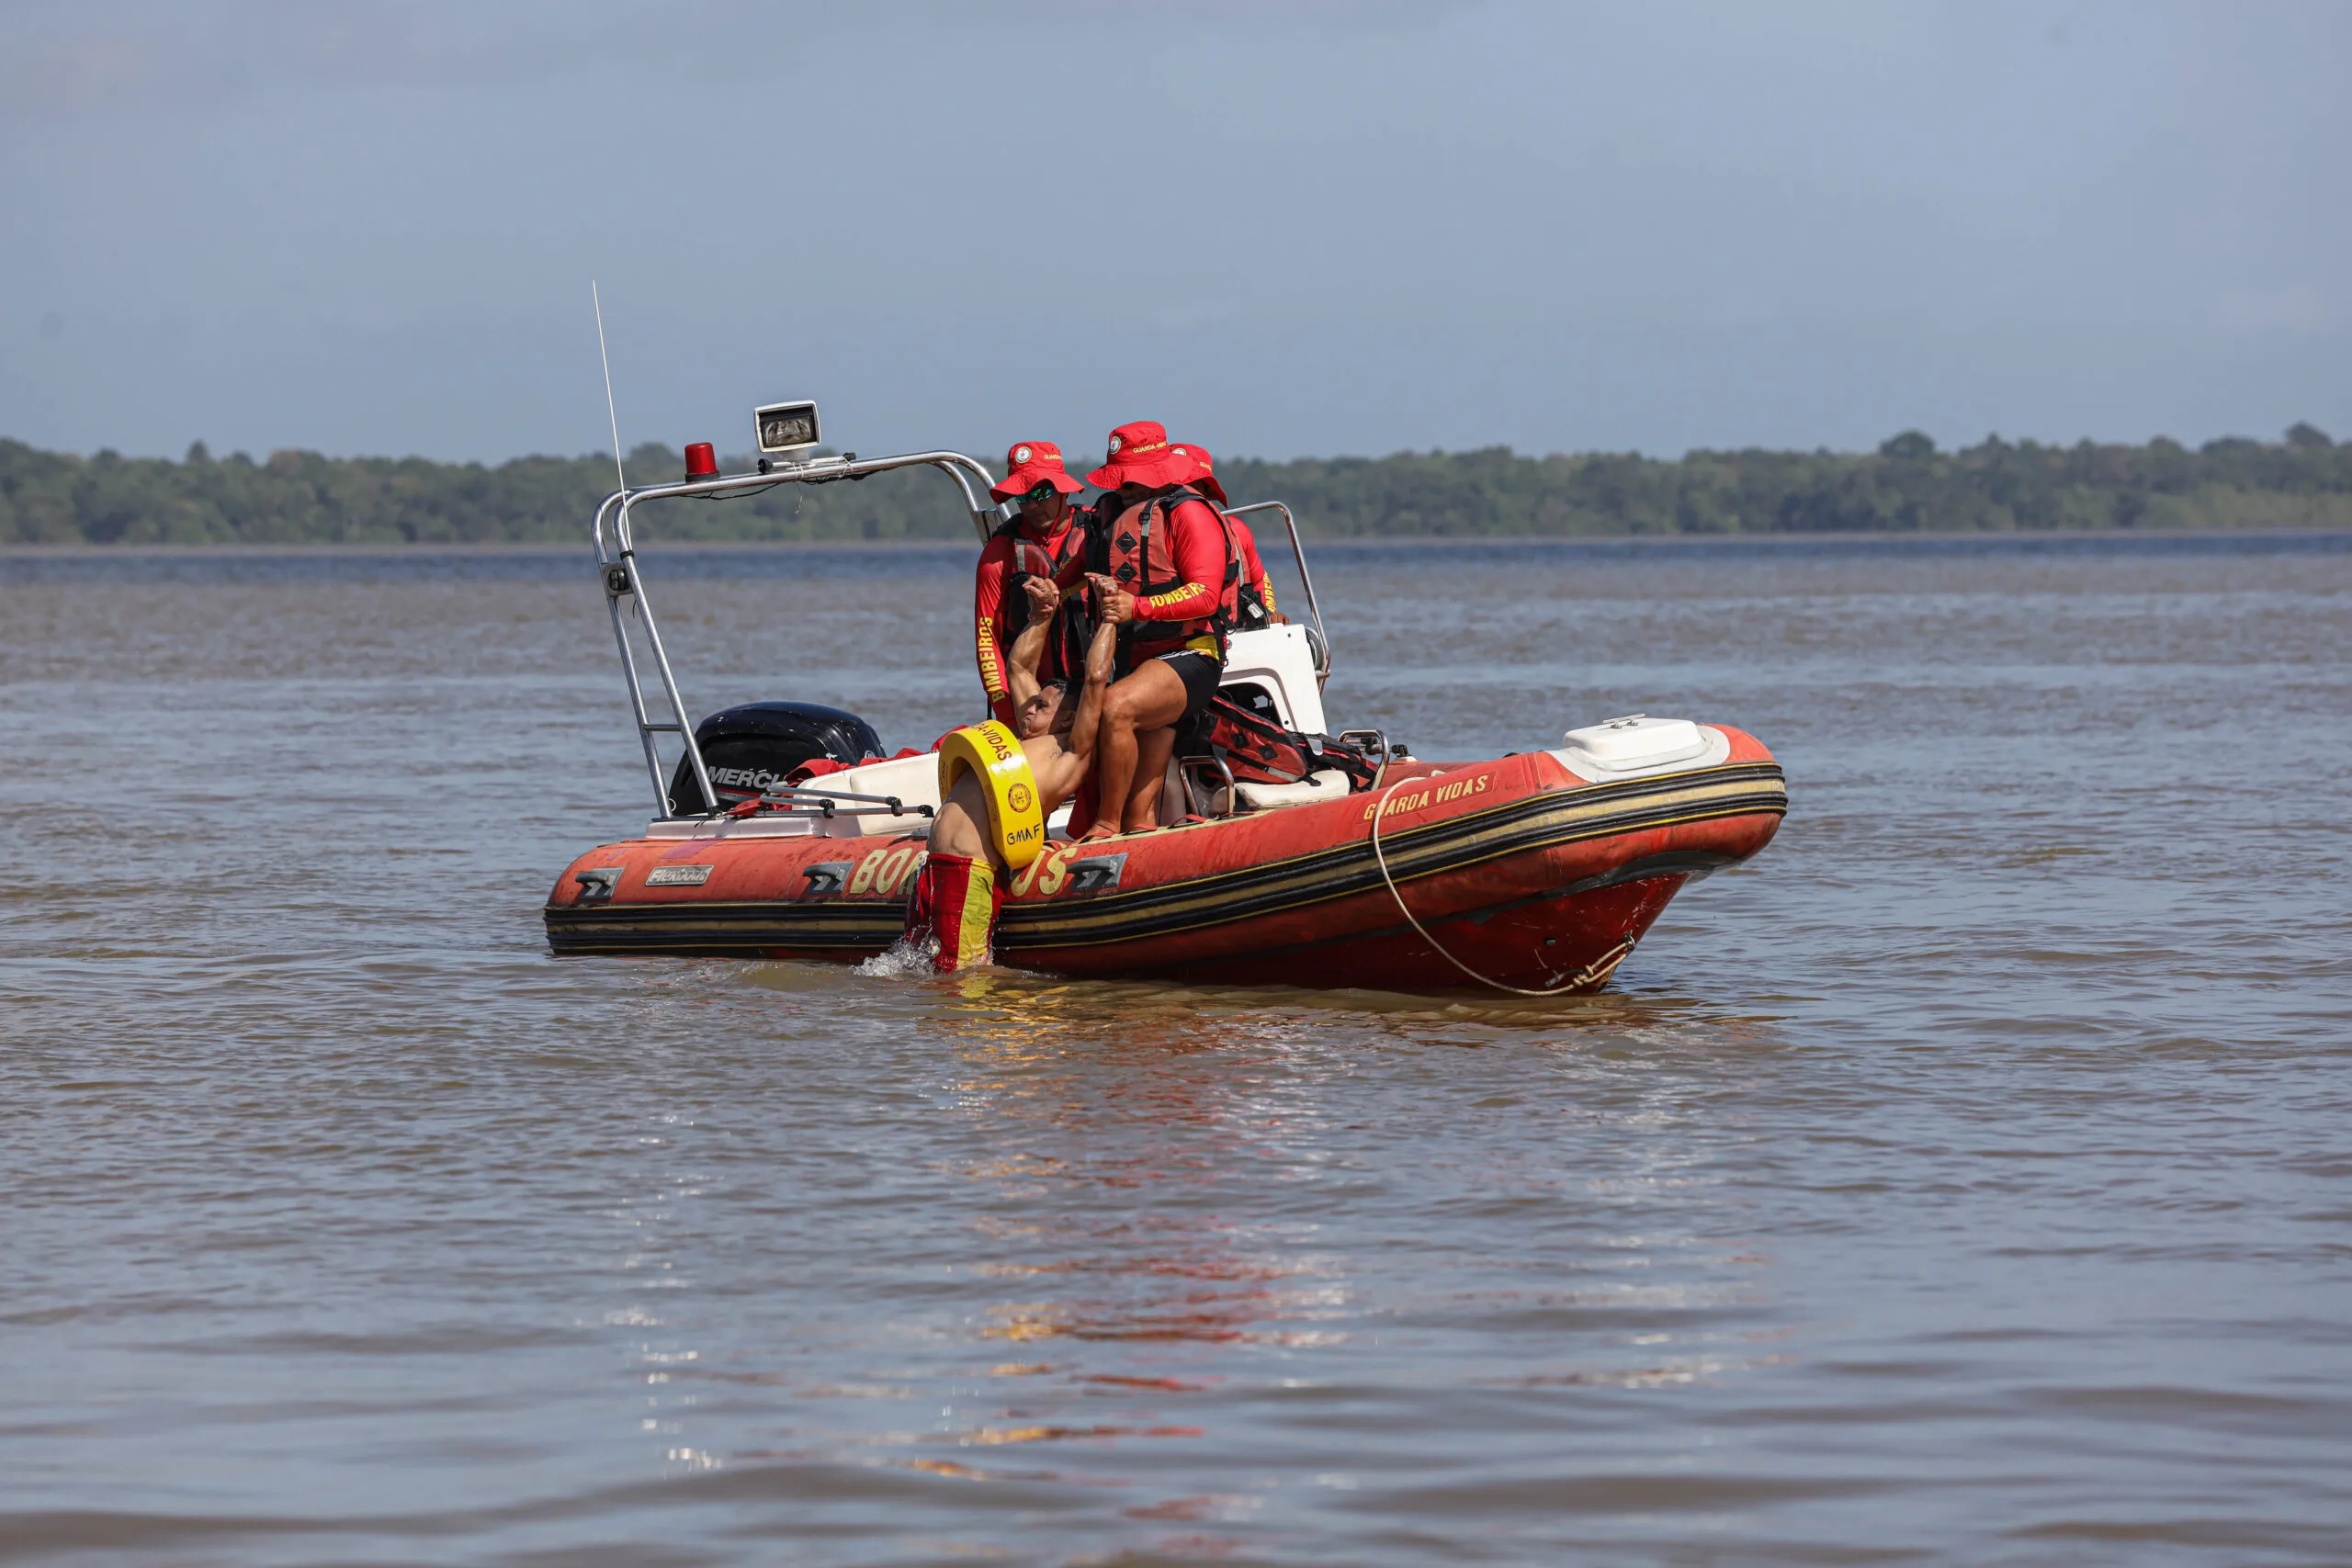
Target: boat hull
1526,874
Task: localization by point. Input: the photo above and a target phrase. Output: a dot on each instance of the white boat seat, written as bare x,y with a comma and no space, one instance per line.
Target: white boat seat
1330,783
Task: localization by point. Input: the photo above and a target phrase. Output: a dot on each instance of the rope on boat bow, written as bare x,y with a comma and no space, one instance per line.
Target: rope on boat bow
1381,855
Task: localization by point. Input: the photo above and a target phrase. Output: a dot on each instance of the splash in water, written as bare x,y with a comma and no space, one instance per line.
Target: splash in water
910,956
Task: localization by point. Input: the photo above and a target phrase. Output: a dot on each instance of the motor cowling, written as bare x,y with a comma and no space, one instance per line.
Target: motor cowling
752,749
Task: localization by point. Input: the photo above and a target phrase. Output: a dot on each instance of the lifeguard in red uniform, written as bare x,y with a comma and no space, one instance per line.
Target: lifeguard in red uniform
1169,574
1257,596
1045,540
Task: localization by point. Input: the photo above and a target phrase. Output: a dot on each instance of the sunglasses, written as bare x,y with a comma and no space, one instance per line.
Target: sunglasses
1044,490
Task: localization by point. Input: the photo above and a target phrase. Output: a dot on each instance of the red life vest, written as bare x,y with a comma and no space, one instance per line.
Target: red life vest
1030,558
1136,547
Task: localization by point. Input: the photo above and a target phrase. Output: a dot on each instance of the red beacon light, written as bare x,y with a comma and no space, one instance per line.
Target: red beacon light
702,463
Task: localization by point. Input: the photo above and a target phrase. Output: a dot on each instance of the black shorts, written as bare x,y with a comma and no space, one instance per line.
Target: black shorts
1200,672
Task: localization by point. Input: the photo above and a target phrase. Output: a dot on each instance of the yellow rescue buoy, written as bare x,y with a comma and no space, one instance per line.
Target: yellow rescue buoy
1016,826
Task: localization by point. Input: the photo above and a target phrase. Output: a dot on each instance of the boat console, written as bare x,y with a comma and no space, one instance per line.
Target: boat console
1281,665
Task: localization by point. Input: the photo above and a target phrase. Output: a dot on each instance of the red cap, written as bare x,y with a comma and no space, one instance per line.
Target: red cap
1203,479
1030,464
1139,454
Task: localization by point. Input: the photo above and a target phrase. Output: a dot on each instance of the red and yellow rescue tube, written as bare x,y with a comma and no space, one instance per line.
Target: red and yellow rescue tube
1526,873
1016,825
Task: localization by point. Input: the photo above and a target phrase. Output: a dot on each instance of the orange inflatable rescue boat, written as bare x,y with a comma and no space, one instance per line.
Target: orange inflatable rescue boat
783,833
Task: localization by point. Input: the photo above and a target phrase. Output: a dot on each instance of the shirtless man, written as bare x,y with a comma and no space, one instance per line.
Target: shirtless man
960,887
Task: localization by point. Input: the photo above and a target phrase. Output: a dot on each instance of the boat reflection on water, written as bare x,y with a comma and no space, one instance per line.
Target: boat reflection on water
1111,1138
1124,1128
1167,1243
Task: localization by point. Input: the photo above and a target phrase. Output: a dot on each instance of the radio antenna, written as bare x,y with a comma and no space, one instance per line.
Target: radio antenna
610,412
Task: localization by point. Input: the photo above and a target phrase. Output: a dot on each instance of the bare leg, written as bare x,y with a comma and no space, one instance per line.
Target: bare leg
957,829
1152,750
1151,697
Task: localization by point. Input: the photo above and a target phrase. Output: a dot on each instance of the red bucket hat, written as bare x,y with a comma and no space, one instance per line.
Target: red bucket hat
1030,464
1139,454
1203,479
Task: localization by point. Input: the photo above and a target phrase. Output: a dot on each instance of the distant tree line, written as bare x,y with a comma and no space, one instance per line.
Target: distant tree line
1908,485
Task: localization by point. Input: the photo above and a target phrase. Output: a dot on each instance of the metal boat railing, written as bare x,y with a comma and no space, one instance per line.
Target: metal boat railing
1298,551
616,563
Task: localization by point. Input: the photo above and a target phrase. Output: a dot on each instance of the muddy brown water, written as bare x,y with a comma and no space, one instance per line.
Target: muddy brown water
1969,1179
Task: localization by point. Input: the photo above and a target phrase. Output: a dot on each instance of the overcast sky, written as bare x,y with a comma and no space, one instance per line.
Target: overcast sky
1284,227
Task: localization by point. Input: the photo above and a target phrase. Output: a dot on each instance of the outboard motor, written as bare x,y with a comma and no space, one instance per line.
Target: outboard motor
752,749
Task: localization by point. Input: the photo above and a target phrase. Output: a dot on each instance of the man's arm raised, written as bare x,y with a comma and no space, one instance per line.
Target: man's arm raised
1099,656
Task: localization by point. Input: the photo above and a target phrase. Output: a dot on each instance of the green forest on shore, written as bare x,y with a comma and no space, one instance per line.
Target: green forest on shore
2302,480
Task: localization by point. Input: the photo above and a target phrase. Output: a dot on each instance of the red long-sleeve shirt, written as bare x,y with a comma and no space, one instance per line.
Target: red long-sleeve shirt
1197,548
992,632
1253,570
